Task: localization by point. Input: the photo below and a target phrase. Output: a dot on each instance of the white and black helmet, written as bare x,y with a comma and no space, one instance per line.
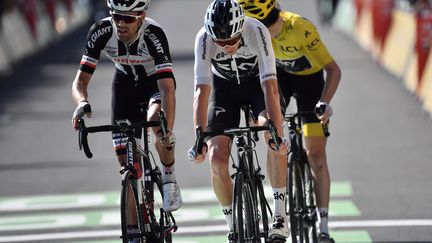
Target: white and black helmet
128,5
224,19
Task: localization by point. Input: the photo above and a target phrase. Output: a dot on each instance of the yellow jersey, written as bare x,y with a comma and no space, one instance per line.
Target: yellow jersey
298,48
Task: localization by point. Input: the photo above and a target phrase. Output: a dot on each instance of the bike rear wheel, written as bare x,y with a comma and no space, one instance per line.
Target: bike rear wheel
132,225
244,211
295,199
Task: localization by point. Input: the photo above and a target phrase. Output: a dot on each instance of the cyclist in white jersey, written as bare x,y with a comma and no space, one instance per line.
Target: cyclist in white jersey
235,65
144,76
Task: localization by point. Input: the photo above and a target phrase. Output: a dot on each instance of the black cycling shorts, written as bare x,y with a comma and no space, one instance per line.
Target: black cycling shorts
307,89
130,100
227,98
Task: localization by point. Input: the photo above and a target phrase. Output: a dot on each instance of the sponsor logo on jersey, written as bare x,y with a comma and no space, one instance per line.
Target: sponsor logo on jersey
264,42
156,42
246,67
290,48
142,50
204,46
111,50
88,61
131,60
294,65
314,44
269,76
119,141
97,34
166,67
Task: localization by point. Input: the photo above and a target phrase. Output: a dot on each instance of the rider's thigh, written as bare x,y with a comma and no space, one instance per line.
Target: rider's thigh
219,150
315,147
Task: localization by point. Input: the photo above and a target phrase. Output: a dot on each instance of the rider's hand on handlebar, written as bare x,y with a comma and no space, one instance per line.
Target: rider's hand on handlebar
195,156
82,109
284,146
323,111
168,140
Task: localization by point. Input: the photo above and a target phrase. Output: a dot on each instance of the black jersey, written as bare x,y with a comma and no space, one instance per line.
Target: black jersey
147,55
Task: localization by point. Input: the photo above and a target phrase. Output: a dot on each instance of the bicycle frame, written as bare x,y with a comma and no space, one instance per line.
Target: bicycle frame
143,187
302,203
248,164
247,176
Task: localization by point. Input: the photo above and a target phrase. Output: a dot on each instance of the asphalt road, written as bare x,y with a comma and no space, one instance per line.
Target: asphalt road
379,151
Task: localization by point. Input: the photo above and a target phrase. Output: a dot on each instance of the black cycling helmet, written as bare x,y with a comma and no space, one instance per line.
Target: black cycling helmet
224,19
128,5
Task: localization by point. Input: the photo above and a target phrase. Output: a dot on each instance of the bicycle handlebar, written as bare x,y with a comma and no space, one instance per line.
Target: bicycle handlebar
239,131
84,131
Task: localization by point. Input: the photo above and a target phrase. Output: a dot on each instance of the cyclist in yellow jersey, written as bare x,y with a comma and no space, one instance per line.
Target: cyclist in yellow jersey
302,59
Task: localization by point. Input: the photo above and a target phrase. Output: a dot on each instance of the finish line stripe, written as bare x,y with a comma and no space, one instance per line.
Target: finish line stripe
209,229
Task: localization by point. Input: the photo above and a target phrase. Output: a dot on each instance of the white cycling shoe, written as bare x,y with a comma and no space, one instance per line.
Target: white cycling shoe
172,199
280,229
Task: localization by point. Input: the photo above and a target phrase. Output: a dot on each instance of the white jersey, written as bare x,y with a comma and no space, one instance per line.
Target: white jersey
255,56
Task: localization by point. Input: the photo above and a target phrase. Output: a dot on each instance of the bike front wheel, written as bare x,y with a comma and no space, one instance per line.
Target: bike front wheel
244,211
132,225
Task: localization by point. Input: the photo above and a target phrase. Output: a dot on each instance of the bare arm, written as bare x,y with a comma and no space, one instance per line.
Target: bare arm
168,99
79,94
333,76
79,86
200,104
271,96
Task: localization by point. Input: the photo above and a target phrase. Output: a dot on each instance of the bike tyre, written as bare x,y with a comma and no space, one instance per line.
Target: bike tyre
244,211
129,192
295,199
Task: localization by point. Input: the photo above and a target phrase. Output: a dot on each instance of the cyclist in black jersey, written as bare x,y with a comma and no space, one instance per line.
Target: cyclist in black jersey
235,66
302,59
143,82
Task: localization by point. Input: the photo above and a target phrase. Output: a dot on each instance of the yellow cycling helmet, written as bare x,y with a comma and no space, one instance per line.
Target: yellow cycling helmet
258,9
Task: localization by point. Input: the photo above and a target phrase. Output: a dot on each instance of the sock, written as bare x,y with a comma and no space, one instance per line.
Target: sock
279,195
227,211
323,215
168,175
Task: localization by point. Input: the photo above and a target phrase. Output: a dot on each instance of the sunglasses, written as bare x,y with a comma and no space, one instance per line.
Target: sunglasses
126,18
230,42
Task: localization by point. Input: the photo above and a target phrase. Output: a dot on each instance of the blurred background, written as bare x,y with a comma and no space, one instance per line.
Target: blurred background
379,151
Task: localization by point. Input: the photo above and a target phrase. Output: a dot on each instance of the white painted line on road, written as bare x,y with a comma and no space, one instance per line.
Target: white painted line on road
209,229
380,223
